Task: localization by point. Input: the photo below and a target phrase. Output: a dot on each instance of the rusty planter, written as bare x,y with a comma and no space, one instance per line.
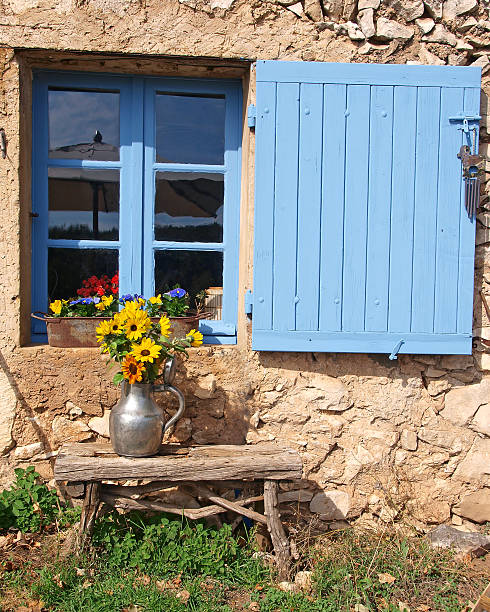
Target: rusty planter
79,332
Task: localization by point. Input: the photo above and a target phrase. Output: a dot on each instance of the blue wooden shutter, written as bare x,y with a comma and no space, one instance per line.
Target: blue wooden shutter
362,240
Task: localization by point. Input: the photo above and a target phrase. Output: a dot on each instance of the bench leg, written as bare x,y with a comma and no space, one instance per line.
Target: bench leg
279,539
89,512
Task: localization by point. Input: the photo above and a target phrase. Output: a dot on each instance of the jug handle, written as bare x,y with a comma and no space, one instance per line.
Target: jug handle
181,399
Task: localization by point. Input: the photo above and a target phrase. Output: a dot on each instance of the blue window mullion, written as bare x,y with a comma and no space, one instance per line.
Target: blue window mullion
39,228
149,190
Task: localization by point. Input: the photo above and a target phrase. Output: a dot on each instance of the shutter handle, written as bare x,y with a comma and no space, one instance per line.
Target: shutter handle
396,348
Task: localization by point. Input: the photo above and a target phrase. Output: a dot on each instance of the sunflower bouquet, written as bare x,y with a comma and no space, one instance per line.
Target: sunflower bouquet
139,342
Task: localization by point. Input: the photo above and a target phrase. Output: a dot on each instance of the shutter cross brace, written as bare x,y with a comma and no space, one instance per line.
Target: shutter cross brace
397,347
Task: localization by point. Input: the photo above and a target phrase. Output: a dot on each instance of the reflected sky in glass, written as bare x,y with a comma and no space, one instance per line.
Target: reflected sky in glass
83,204
83,124
189,207
190,129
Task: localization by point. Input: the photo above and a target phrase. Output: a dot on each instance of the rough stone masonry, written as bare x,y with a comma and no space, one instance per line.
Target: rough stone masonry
382,441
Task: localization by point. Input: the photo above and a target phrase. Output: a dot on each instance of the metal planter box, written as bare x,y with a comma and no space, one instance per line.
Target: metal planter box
79,332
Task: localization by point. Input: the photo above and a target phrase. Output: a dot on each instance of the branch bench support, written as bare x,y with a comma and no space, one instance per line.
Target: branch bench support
86,468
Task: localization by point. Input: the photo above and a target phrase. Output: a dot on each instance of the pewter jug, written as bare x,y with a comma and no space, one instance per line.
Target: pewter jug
137,423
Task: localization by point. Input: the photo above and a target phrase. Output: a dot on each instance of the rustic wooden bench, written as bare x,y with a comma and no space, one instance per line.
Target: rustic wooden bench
85,466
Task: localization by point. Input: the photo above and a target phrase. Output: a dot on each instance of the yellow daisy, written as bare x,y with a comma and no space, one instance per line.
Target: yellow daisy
146,351
136,325
132,370
103,330
157,299
56,306
131,307
165,326
195,337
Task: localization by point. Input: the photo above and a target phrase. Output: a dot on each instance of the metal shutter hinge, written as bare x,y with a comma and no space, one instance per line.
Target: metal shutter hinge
248,302
397,347
251,115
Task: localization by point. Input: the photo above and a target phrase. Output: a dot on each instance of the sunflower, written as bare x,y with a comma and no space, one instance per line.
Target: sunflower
194,337
132,370
165,326
146,351
56,306
130,308
157,299
137,324
103,330
116,324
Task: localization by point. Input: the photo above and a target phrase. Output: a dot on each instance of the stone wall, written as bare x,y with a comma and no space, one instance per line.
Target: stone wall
381,440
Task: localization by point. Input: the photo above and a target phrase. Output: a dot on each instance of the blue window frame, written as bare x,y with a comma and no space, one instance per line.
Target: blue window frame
161,197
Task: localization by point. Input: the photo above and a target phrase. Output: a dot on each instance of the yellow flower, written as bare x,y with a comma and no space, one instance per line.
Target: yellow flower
146,351
100,306
103,330
156,300
107,300
165,326
116,324
195,337
137,324
131,307
132,370
56,306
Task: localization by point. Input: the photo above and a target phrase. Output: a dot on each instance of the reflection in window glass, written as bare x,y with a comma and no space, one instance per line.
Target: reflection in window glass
194,271
83,124
83,204
190,129
189,207
67,268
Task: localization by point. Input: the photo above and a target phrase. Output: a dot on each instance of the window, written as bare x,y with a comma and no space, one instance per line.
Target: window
138,176
362,239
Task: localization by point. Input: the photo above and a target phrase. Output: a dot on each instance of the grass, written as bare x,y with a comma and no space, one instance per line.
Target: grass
150,564
154,564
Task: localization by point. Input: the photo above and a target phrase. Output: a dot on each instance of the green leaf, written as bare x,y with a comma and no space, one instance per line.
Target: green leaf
118,378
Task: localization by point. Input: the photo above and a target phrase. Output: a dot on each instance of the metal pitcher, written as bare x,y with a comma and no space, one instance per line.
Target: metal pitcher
137,423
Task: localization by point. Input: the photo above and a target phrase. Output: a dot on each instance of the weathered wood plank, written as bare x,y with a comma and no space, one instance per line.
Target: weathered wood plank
279,538
97,462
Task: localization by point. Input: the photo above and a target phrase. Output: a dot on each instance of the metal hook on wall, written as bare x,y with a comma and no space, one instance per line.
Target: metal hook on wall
3,143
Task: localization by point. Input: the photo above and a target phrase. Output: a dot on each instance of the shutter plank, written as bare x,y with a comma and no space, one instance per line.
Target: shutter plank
356,186
332,222
467,235
309,206
378,245
264,204
286,198
425,217
402,212
448,214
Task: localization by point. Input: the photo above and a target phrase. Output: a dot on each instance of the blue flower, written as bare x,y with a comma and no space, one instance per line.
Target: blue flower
75,302
96,299
178,293
129,298
87,301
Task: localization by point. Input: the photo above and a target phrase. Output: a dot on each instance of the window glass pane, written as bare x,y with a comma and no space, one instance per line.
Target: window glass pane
83,124
189,207
194,271
83,204
190,129
68,268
